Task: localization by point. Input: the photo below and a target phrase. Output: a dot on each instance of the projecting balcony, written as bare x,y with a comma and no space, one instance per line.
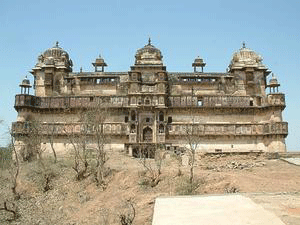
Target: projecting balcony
277,128
29,101
276,99
25,128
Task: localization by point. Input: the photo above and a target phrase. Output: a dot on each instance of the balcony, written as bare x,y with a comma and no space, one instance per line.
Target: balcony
29,101
277,128
25,128
276,99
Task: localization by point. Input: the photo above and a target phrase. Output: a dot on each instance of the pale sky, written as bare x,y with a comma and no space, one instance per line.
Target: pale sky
182,30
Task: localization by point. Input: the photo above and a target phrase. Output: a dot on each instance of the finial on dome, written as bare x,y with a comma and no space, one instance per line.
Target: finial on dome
56,44
80,69
149,41
244,45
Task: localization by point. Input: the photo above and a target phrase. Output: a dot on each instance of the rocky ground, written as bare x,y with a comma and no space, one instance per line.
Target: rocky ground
274,184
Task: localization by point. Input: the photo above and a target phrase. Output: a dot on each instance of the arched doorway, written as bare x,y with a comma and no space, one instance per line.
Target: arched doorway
147,134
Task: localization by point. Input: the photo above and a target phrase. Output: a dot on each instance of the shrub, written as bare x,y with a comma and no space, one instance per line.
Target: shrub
185,187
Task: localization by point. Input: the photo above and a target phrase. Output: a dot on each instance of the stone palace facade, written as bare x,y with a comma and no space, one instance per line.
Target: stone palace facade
236,111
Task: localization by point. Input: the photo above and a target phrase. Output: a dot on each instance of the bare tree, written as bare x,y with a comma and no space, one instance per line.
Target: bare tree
126,218
32,137
95,120
92,130
15,173
192,141
36,134
78,140
9,204
153,172
51,136
11,208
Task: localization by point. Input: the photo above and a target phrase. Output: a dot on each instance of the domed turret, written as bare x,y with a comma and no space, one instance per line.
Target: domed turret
246,57
198,62
56,57
273,84
99,63
25,86
148,55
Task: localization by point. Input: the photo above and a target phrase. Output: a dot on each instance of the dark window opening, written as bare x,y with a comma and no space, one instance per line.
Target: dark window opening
170,119
132,128
91,99
259,101
147,120
133,116
161,128
139,101
126,119
161,116
251,102
147,101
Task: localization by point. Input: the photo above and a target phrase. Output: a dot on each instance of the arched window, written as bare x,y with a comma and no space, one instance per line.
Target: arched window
161,128
133,117
161,116
147,101
132,128
139,101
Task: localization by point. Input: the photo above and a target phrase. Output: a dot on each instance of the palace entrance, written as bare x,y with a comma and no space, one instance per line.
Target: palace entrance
147,135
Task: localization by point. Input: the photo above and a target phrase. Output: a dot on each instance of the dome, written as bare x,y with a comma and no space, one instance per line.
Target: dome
55,56
246,57
199,62
148,55
273,81
25,82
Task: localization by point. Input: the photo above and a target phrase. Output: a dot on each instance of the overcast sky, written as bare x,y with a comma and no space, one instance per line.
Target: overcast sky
182,30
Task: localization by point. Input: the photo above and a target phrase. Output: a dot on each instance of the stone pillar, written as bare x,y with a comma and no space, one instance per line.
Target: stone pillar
130,150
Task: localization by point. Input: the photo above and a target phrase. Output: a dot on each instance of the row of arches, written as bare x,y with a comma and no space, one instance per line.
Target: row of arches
147,100
161,116
161,129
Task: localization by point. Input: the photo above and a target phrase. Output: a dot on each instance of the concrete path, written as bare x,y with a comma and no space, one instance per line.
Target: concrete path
295,161
211,210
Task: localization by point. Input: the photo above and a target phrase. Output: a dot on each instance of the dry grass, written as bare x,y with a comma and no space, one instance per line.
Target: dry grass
72,202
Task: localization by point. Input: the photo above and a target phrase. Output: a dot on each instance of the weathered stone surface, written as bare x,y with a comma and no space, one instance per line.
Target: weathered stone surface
211,210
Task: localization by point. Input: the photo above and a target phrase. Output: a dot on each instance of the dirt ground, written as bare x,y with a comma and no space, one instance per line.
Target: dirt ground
274,184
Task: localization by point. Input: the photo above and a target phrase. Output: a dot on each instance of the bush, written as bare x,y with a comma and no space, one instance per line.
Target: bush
184,187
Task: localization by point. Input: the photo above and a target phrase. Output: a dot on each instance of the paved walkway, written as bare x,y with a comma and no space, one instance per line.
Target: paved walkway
211,210
295,161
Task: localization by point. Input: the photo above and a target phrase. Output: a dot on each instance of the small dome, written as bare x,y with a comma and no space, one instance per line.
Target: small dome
25,82
148,55
199,62
246,57
55,56
273,81
99,62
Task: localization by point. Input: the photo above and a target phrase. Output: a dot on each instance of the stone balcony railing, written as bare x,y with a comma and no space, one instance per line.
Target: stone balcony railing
276,99
24,128
280,128
68,102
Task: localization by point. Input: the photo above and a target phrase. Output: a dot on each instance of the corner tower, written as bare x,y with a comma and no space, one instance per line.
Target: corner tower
49,71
